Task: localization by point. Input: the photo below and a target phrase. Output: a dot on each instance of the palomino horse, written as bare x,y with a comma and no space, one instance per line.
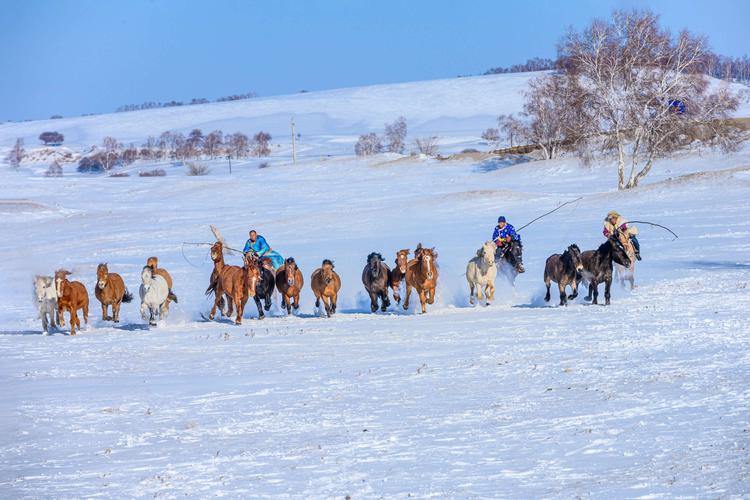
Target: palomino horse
398,274
563,270
376,277
154,294
626,273
46,301
597,267
289,282
325,284
153,263
110,291
509,259
71,296
264,283
481,273
422,275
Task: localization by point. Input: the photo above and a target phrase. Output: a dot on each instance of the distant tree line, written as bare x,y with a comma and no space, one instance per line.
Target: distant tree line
533,64
172,145
195,100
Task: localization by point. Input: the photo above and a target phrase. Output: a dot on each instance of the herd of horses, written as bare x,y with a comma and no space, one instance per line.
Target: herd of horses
232,286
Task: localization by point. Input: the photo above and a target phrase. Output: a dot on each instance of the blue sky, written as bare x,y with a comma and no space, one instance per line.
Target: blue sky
90,56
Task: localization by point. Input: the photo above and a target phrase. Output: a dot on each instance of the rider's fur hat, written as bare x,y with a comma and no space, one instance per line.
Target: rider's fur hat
501,218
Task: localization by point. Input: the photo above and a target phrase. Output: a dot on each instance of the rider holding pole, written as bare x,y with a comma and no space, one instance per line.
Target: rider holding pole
614,222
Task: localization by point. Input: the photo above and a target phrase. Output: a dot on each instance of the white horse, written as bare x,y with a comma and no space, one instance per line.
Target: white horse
481,273
154,292
622,273
46,299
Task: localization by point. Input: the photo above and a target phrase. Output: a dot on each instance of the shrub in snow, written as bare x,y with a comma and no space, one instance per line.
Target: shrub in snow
427,145
261,142
491,135
120,174
54,170
16,154
470,150
395,134
51,138
157,172
368,144
195,168
265,164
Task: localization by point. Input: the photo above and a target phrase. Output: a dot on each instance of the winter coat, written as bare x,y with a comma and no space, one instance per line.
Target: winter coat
508,233
621,224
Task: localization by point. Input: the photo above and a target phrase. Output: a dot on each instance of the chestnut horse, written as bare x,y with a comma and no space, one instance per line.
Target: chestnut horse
399,273
422,275
237,283
325,284
217,255
110,291
71,296
289,282
153,263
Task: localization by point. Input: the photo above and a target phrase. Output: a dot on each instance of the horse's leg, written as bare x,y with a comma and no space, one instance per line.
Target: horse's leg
218,294
74,321
288,302
574,286
431,298
563,296
423,300
85,315
607,286
261,315
296,300
267,300
61,316
238,306
408,293
164,310
45,325
547,283
334,300
326,305
54,317
116,311
104,312
386,300
595,285
373,301
396,295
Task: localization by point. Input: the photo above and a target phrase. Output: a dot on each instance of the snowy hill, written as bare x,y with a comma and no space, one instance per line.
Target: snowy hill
647,397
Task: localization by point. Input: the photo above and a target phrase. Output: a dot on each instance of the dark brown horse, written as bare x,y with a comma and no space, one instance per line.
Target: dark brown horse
398,274
71,296
597,267
376,278
325,284
563,270
422,275
110,291
264,285
289,282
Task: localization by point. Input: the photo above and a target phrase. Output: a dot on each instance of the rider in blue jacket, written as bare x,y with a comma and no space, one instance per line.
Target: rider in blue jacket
504,233
259,246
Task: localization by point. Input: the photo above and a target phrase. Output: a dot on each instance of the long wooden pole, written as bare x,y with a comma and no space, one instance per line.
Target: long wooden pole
294,146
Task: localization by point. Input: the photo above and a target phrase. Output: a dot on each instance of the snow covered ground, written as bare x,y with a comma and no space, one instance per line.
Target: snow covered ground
647,397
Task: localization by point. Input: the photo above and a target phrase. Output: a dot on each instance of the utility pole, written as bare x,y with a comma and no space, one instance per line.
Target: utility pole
229,157
294,146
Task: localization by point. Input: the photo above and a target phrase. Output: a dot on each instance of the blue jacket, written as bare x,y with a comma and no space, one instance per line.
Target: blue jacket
261,246
502,234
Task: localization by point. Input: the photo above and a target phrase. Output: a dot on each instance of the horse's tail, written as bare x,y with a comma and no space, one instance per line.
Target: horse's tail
211,288
127,297
171,296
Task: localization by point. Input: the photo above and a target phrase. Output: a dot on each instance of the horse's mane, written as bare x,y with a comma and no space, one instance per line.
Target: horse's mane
374,254
290,260
328,262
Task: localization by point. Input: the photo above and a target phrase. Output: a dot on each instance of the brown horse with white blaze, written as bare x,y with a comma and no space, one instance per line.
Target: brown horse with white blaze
422,275
399,272
238,284
325,284
111,292
289,282
71,296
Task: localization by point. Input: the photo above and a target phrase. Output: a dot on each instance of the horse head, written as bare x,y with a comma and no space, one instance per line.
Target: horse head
327,271
426,259
374,261
217,251
487,252
402,259
61,279
619,253
290,269
102,273
252,274
147,276
44,288
575,257
152,262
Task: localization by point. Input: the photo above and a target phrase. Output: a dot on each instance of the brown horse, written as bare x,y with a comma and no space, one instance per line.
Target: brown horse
232,281
422,275
564,270
71,296
110,291
325,284
153,263
399,273
217,255
289,282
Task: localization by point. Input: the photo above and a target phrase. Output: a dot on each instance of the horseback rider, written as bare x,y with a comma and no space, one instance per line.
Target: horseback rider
503,235
614,222
258,245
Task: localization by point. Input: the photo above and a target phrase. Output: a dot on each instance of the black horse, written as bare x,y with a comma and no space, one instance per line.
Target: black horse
376,277
509,259
563,270
264,288
597,267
